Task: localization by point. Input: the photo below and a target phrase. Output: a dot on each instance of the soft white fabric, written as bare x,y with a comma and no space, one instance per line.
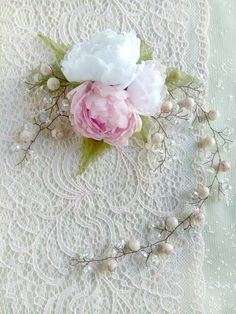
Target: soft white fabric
107,57
48,215
148,90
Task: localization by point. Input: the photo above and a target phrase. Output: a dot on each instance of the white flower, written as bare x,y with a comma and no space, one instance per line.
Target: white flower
148,90
107,57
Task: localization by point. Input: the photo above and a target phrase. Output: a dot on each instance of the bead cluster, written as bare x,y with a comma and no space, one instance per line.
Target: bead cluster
54,110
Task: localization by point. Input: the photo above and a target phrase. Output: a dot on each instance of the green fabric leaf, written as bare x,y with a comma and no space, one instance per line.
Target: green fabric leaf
57,72
176,79
145,128
91,150
59,49
145,52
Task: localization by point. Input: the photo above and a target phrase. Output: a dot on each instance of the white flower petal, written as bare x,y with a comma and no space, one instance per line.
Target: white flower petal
107,57
147,90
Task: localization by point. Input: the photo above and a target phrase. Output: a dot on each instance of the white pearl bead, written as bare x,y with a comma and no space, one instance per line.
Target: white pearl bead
53,83
212,115
197,219
203,191
111,265
133,245
166,106
187,103
45,69
166,248
224,166
157,138
207,141
171,223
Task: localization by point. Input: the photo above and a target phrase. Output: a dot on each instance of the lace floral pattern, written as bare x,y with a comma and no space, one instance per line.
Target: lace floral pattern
48,215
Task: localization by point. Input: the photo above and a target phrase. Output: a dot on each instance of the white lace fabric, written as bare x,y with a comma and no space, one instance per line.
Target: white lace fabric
48,215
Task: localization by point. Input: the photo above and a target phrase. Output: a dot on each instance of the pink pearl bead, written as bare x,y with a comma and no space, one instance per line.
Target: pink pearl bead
224,166
166,248
200,217
197,219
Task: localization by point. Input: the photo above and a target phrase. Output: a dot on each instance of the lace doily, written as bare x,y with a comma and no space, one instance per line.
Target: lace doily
48,215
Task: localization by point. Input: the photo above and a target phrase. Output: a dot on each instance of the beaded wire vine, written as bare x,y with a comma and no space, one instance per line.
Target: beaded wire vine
218,140
56,110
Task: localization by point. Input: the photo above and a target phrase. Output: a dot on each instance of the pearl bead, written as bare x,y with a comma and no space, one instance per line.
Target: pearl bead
197,219
207,141
133,245
224,166
171,223
53,83
166,248
166,106
187,103
45,69
212,115
157,138
111,265
203,191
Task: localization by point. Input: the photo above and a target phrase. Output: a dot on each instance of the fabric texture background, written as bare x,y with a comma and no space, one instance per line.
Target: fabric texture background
49,216
220,231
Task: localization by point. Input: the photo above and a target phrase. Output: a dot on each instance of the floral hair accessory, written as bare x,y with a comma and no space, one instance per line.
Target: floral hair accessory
109,91
105,86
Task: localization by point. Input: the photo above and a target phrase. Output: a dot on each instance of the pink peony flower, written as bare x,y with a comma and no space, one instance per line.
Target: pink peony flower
103,112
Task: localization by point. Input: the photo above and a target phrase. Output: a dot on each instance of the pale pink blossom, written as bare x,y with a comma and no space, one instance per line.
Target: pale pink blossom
103,112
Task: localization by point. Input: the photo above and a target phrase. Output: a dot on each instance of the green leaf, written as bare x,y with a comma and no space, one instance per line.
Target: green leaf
145,128
91,150
145,52
176,78
59,49
57,72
